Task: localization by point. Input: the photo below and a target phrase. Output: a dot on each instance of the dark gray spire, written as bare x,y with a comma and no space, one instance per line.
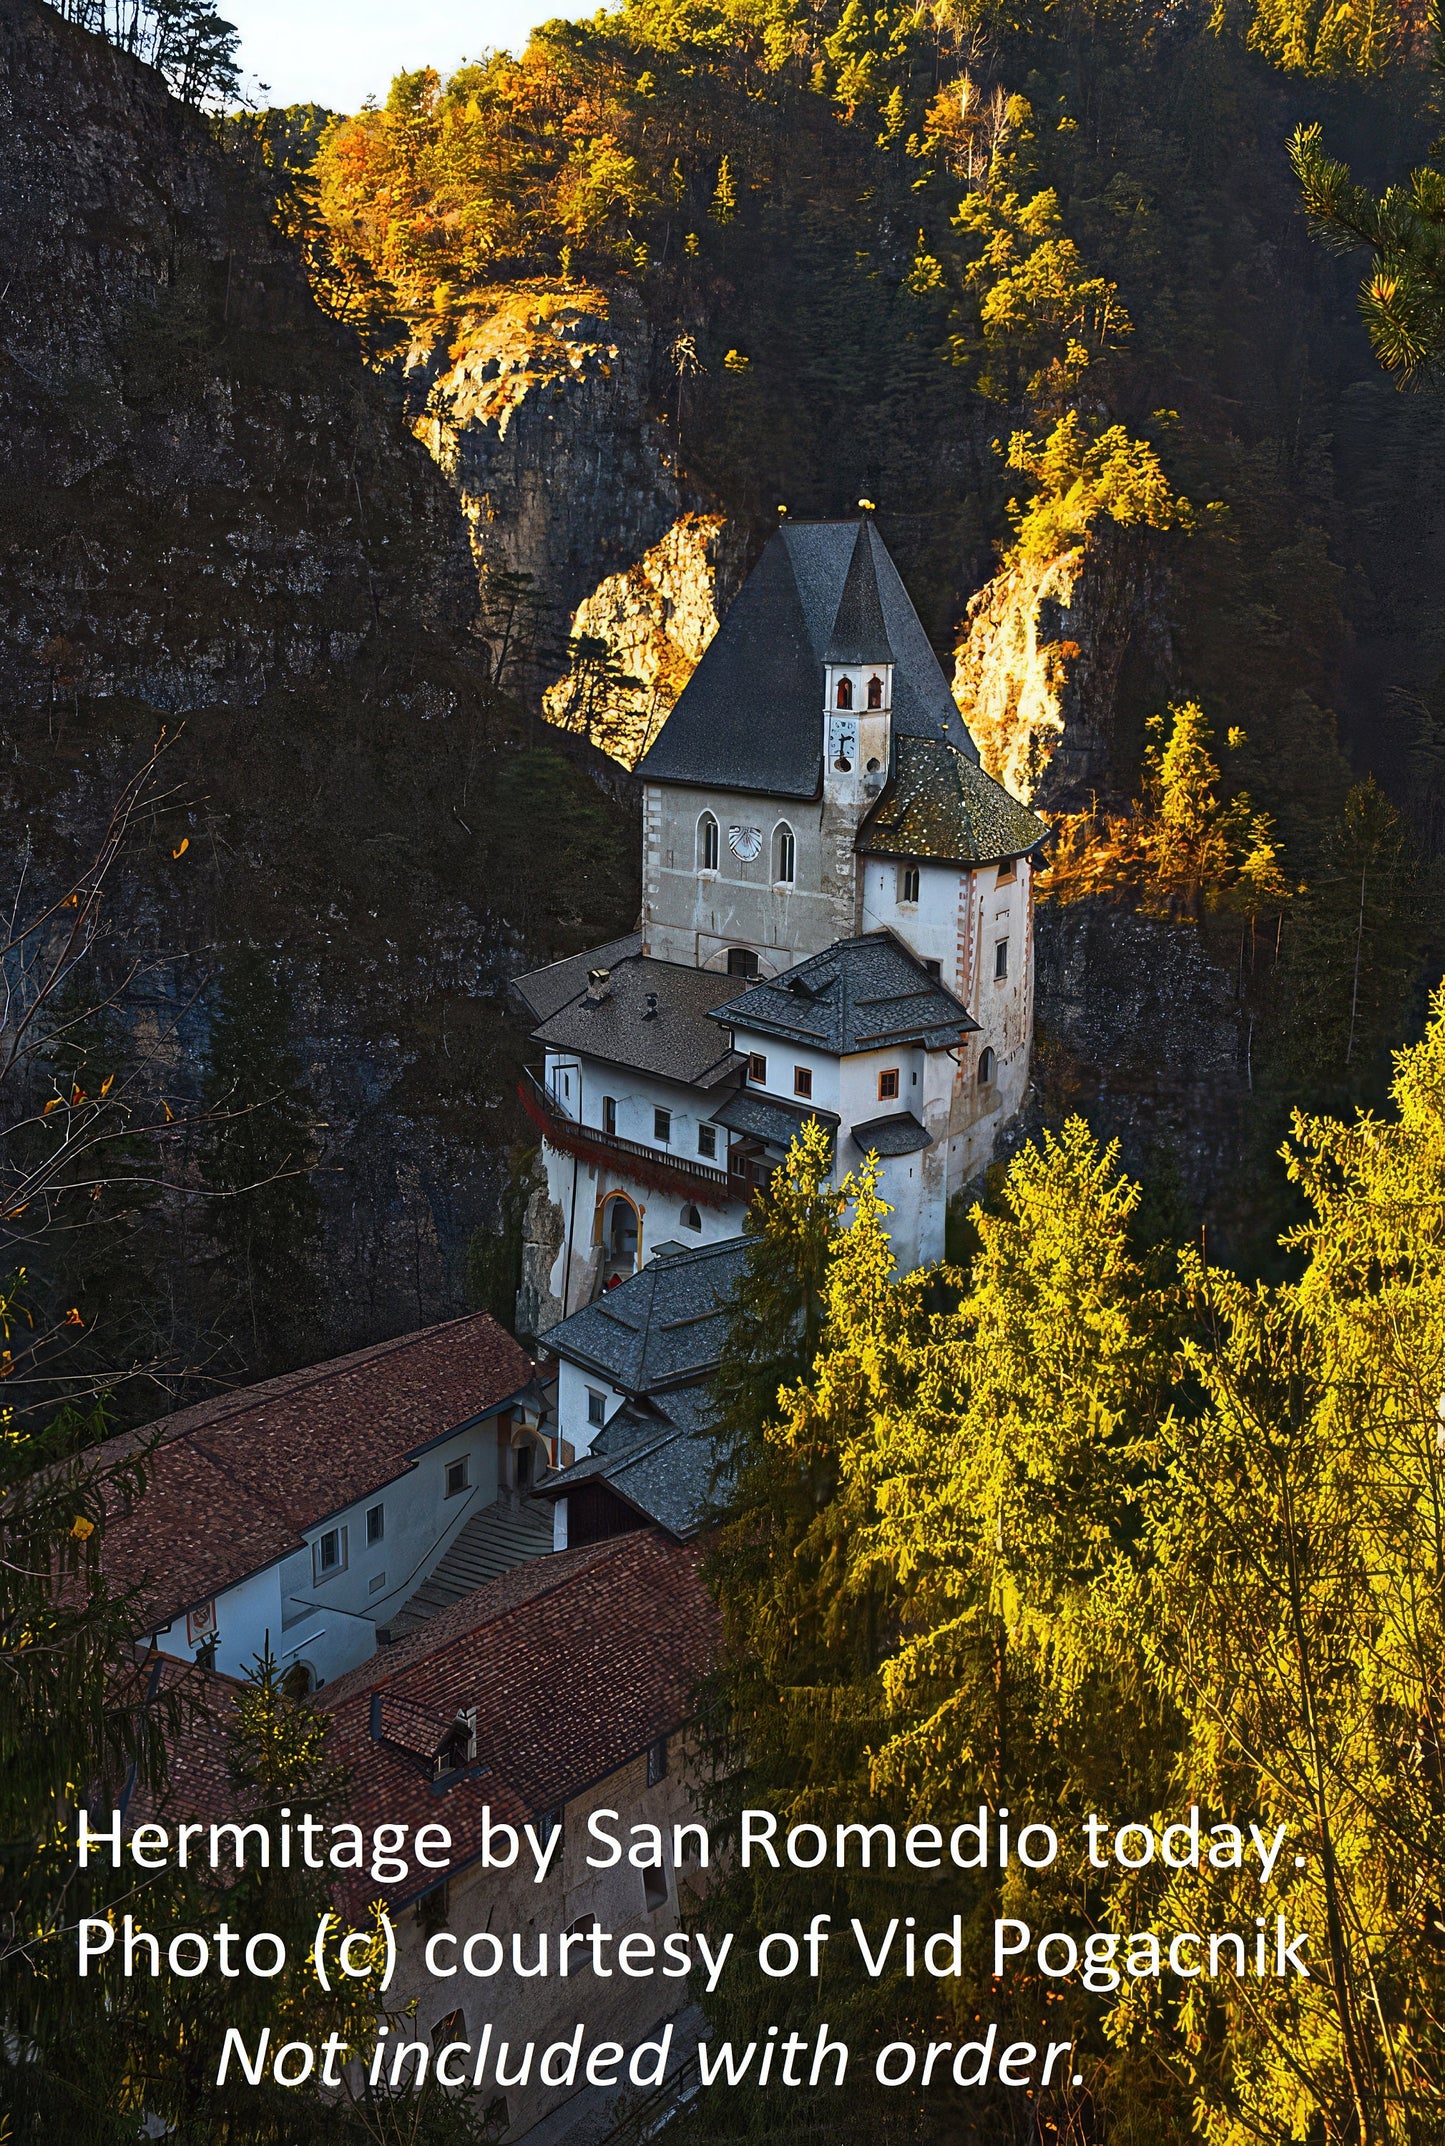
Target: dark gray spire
859,634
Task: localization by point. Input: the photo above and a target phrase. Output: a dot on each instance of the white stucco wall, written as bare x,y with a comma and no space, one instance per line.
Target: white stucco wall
330,1623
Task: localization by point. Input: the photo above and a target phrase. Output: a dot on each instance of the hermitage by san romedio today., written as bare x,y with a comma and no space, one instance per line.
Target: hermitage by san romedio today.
836,923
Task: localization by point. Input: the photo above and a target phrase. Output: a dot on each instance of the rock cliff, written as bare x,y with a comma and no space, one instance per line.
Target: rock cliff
212,513
1038,667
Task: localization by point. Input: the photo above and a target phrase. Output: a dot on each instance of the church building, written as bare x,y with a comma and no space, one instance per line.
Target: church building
836,924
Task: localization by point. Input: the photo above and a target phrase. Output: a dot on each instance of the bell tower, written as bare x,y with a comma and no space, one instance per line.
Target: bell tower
857,724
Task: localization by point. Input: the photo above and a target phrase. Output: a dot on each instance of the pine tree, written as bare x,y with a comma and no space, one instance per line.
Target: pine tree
256,1164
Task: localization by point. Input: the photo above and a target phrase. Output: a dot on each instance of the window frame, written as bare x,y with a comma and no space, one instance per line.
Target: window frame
322,1568
709,842
690,1207
375,1525
758,1068
1000,961
661,1126
656,1761
596,1408
910,881
803,1082
843,695
707,1141
1007,870
785,855
987,1066
887,1074
609,1116
455,1490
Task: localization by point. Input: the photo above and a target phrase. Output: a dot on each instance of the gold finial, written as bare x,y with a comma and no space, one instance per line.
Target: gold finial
867,506
781,508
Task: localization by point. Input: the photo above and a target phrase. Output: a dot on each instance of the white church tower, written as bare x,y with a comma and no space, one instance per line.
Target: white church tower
836,923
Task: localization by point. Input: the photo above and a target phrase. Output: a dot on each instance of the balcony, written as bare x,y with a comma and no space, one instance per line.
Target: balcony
657,1167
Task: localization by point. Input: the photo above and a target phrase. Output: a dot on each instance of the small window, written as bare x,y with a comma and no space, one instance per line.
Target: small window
375,1524
376,1585
888,1086
845,693
549,1823
707,1140
657,1762
329,1555
662,1127
875,691
596,1407
1006,870
802,1080
787,857
742,961
690,1218
459,1475
986,1066
298,1683
609,1115
1000,960
707,843
935,969
908,883
757,1066
654,1890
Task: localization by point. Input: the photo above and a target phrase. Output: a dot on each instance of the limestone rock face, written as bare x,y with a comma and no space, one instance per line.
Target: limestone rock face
655,619
1037,670
534,407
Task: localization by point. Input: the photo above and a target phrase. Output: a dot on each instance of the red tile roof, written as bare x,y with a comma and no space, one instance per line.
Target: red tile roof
234,1482
574,1664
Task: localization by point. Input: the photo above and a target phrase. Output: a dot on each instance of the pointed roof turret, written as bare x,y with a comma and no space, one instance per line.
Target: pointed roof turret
859,634
748,718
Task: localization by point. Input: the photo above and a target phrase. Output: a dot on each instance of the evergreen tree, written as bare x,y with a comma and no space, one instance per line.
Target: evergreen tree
256,1160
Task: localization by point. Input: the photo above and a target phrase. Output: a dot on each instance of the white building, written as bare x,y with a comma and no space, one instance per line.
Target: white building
313,1513
836,923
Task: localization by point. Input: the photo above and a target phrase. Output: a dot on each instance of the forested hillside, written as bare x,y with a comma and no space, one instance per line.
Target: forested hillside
1039,283
213,522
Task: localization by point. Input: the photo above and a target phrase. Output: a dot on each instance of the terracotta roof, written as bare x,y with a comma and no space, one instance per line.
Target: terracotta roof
233,1483
573,1670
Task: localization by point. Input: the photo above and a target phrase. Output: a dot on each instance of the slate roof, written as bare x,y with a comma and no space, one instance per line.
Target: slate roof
575,1664
898,1132
751,715
662,1327
858,995
233,1483
937,803
859,633
657,1456
545,991
675,1040
768,1117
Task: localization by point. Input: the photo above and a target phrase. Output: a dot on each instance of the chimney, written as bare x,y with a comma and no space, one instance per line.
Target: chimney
649,1006
599,986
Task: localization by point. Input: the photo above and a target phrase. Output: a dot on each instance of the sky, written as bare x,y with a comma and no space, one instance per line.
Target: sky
339,52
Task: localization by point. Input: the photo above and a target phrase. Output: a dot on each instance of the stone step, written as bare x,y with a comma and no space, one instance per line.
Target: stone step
492,1542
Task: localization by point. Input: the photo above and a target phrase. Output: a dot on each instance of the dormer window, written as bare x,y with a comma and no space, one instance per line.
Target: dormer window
875,691
845,692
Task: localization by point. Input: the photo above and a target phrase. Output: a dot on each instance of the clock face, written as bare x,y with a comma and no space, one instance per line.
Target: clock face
842,742
745,842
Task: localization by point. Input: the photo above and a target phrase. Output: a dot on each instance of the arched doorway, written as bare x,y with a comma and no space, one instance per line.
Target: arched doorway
619,1240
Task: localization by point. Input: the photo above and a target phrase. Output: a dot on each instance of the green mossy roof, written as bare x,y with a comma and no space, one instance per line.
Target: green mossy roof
938,804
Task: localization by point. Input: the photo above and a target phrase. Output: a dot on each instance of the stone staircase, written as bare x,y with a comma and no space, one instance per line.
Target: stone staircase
491,1542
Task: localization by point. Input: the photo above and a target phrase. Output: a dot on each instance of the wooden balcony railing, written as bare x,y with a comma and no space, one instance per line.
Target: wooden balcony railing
657,1167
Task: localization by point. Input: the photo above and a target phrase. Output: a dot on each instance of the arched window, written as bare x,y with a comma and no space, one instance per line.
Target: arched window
845,692
785,855
690,1218
908,883
987,1064
299,1681
875,691
742,961
707,843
